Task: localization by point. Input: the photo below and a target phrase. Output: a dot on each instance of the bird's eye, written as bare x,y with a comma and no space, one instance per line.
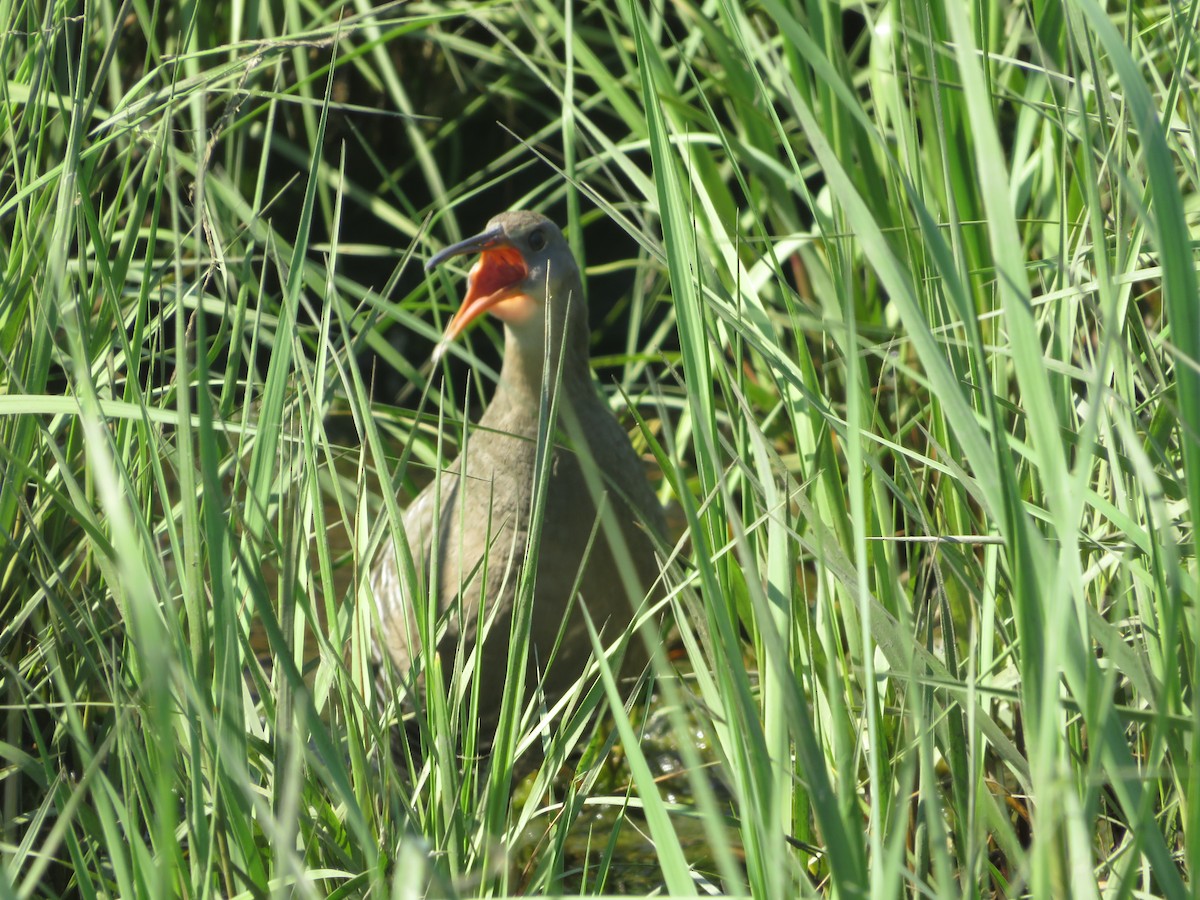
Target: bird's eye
537,241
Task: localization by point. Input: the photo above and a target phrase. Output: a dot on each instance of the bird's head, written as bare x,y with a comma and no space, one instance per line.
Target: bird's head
525,275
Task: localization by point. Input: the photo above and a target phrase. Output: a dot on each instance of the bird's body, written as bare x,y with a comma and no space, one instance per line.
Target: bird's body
482,505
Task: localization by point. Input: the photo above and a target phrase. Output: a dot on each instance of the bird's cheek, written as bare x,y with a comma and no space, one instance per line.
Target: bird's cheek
514,310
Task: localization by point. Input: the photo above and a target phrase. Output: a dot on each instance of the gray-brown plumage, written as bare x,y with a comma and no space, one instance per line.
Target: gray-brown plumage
527,277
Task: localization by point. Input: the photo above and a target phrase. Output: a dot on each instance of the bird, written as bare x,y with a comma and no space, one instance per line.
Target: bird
483,504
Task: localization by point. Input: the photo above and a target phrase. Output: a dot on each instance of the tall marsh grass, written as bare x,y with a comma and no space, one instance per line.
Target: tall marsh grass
901,296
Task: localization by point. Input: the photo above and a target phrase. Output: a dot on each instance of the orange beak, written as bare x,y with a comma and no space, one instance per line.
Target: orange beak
497,277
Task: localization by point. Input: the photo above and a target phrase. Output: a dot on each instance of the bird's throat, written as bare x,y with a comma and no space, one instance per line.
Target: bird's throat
516,310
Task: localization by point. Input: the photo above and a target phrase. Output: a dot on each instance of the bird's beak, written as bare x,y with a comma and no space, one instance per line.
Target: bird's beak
498,276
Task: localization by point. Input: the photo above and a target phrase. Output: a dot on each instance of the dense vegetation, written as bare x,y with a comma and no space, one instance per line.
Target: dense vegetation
901,296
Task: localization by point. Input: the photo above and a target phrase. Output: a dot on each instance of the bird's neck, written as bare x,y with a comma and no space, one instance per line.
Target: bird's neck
519,392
